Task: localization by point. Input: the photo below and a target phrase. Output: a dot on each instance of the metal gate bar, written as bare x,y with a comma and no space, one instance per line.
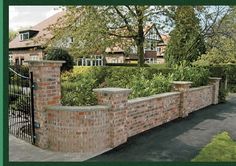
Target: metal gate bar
21,107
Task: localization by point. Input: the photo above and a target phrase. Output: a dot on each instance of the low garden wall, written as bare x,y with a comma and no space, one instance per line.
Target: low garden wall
95,129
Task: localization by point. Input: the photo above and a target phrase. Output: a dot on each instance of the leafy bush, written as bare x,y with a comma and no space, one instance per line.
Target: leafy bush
63,55
15,79
78,84
141,86
14,92
21,105
79,92
197,75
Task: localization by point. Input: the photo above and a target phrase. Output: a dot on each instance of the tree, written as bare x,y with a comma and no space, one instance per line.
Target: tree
222,45
94,28
60,54
12,34
187,31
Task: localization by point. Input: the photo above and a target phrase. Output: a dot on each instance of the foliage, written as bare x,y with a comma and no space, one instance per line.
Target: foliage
77,85
60,54
221,45
141,86
12,34
95,28
221,148
22,70
186,42
14,93
21,105
197,75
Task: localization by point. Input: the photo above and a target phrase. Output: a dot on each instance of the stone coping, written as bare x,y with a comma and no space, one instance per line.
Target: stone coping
111,90
44,61
78,108
182,82
201,87
214,78
161,95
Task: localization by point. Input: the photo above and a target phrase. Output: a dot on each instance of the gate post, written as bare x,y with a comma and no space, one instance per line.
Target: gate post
47,91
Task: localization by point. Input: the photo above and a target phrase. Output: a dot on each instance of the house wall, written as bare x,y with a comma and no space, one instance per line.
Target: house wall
25,54
118,58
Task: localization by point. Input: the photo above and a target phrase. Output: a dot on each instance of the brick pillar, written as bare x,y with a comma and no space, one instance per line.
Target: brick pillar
117,99
215,82
183,88
47,91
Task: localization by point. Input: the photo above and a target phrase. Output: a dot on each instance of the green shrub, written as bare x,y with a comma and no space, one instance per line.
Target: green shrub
80,92
21,105
197,75
77,85
62,55
141,86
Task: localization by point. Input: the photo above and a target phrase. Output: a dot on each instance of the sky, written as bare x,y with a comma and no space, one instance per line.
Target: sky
27,16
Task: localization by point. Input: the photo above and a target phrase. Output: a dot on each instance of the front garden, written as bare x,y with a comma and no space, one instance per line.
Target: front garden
78,83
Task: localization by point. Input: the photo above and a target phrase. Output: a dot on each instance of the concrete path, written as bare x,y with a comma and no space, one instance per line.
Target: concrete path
179,140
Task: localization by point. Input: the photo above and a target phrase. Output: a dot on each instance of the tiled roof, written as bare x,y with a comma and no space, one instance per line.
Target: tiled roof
42,33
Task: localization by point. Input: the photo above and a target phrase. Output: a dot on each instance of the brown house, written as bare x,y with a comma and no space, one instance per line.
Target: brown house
27,45
154,48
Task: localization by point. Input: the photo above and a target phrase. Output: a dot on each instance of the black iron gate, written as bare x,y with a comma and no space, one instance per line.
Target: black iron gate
21,105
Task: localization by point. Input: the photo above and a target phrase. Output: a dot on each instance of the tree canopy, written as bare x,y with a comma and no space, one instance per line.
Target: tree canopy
186,41
222,45
95,28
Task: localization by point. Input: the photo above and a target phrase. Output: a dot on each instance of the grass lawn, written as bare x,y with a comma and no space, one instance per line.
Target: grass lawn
221,148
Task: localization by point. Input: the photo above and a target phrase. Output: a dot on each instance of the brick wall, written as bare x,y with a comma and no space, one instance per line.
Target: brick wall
198,98
148,112
78,129
95,129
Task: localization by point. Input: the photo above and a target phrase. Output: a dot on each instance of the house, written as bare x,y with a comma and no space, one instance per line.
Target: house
27,44
154,48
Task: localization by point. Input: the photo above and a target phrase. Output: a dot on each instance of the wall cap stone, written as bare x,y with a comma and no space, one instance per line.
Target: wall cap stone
182,82
78,108
157,96
214,78
111,90
200,88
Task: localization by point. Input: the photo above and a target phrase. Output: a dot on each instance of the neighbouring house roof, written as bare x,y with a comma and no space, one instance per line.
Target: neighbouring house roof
165,38
43,32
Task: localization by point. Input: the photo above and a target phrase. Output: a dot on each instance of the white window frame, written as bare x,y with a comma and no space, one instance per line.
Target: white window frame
22,36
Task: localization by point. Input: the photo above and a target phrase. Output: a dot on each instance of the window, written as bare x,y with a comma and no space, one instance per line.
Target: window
158,49
21,61
17,61
34,57
24,36
70,39
11,59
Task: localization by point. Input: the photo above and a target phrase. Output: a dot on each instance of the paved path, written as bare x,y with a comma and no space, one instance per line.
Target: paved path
179,140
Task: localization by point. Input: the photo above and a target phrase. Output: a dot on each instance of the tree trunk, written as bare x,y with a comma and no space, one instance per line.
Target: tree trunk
140,52
140,39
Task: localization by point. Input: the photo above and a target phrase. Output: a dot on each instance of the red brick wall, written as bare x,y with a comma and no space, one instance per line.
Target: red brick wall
78,129
146,113
198,98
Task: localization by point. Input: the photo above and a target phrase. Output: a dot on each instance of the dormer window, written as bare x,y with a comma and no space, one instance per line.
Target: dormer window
27,34
24,36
